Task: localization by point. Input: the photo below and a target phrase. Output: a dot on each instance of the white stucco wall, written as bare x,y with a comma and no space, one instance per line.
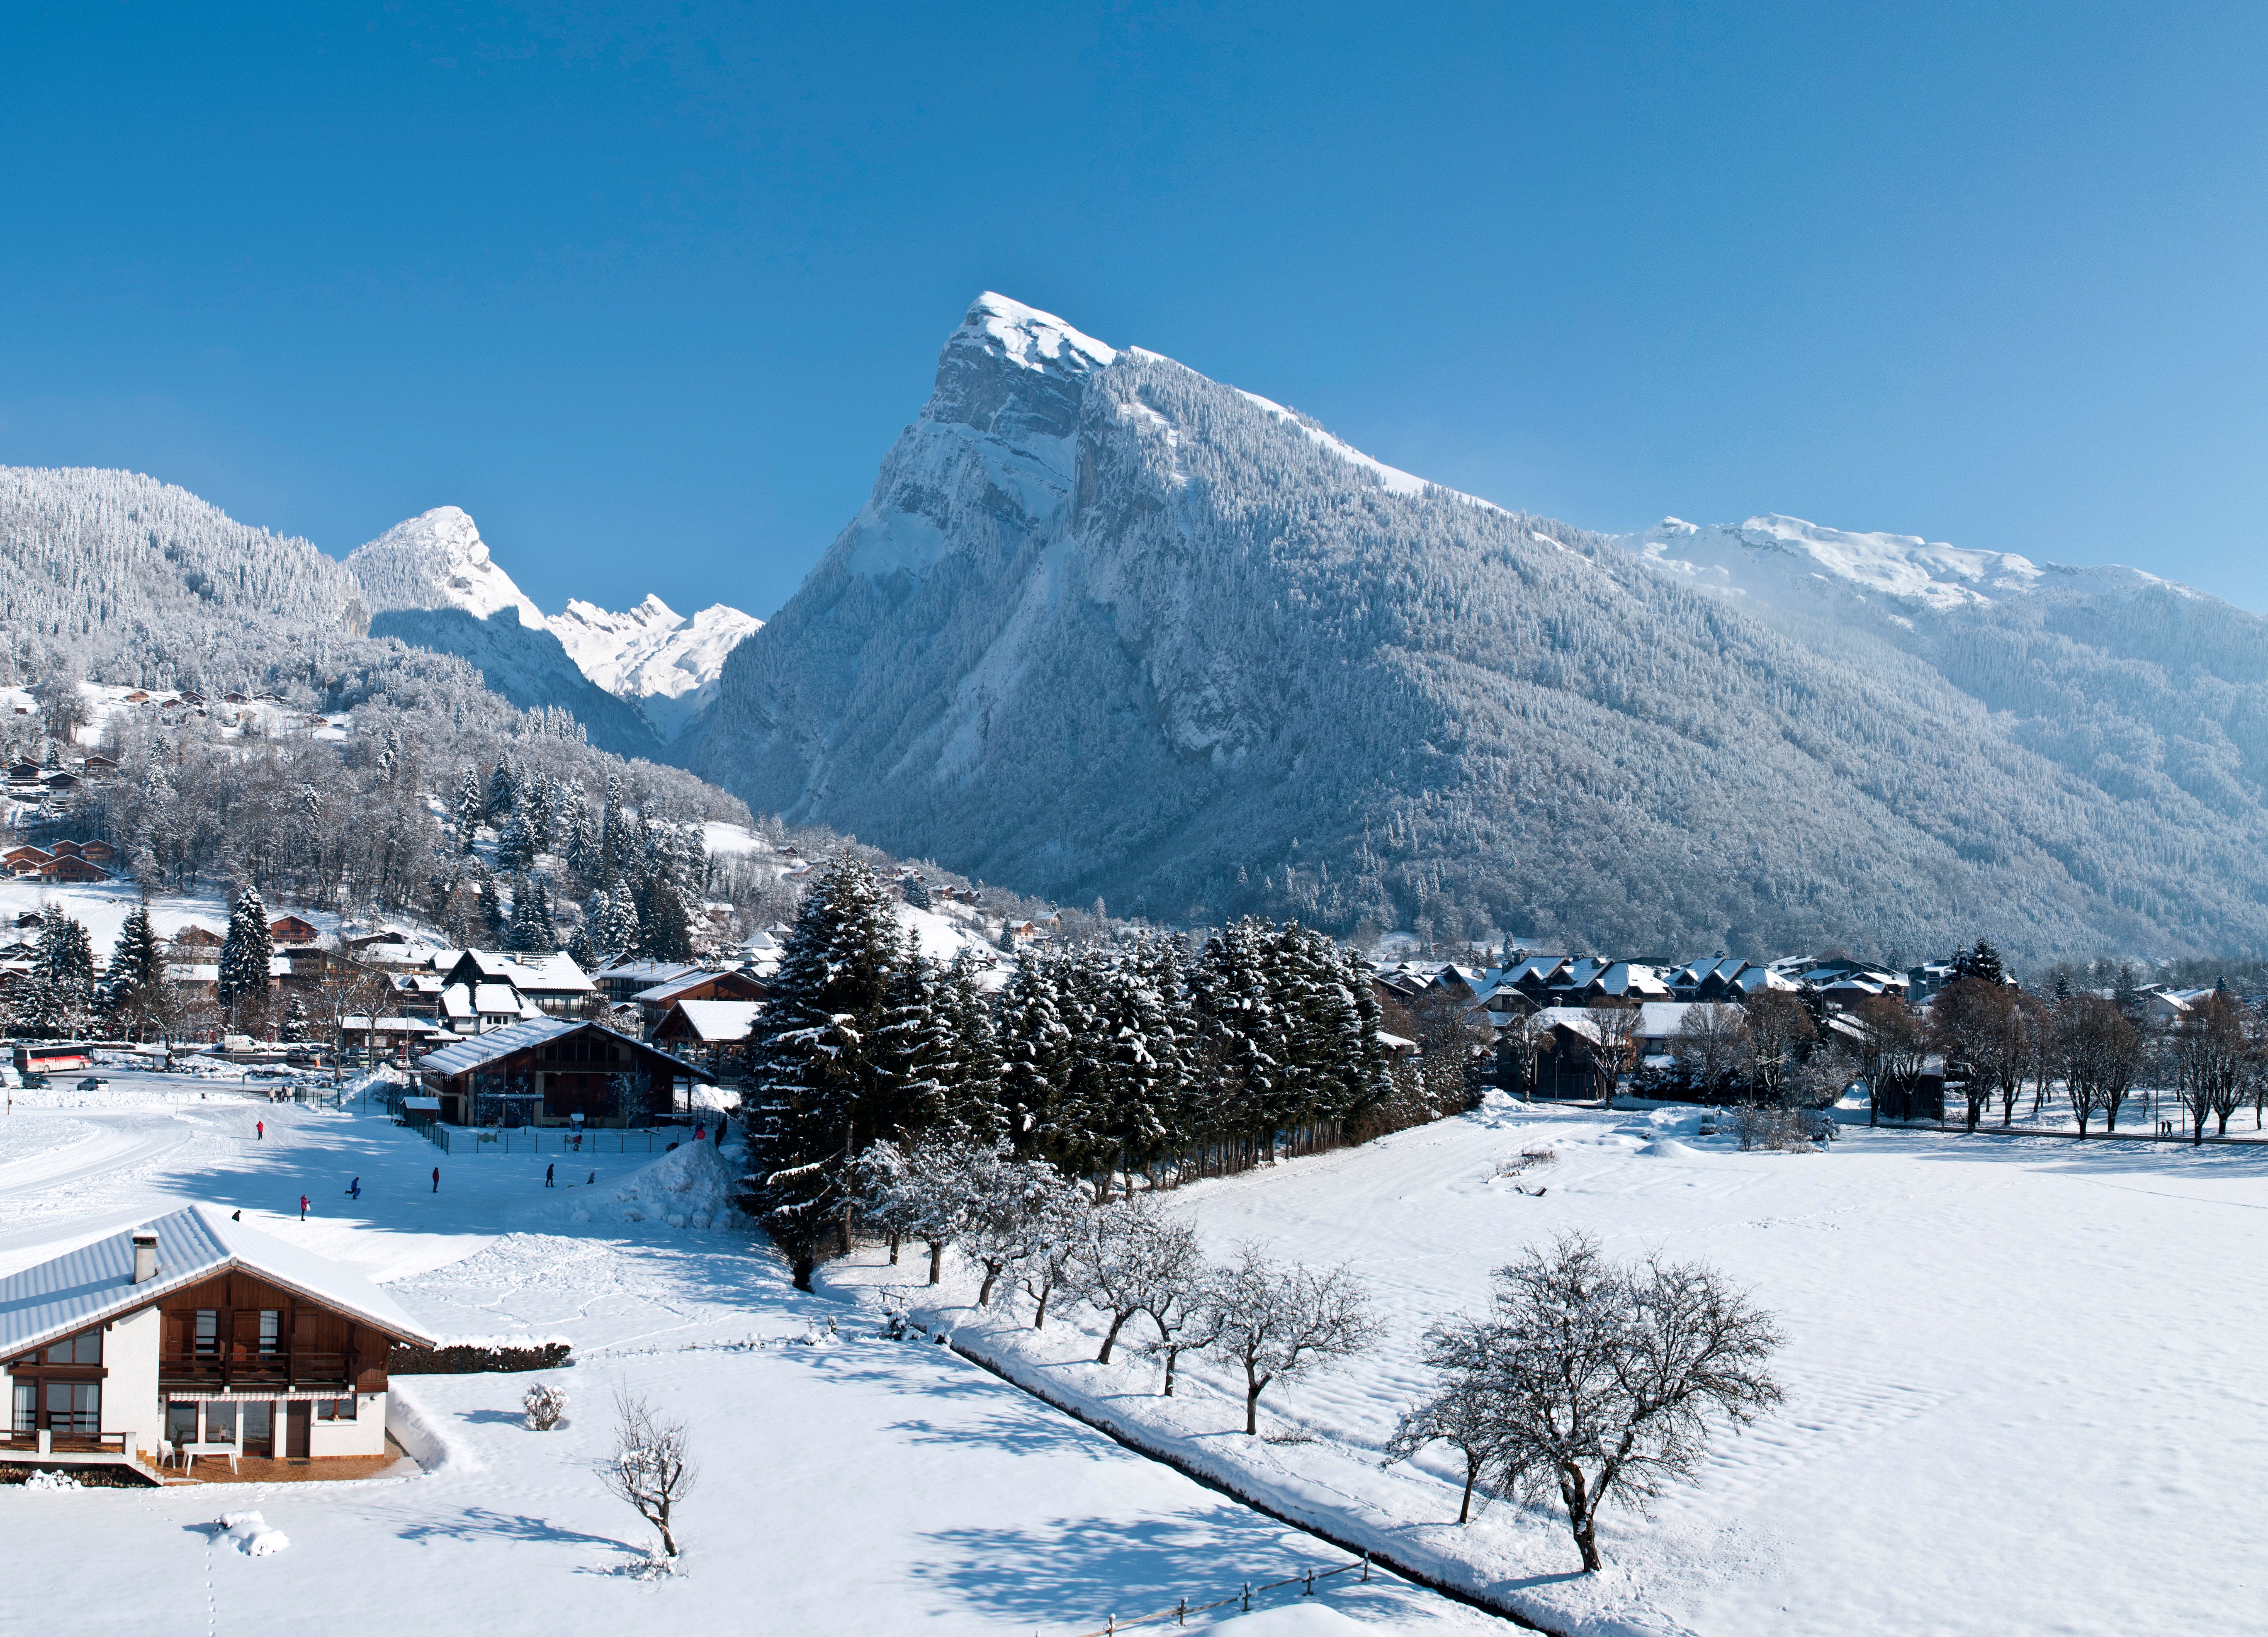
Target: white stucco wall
366,1434
130,1404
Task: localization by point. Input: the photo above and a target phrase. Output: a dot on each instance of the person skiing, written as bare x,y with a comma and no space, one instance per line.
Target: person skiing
259,1130
547,1173
354,1189
303,1207
437,1179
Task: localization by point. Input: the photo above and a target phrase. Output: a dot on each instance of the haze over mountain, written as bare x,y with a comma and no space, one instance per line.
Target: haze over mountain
1107,627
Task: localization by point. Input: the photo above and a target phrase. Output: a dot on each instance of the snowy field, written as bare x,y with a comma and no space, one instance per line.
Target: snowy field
848,1484
2021,1373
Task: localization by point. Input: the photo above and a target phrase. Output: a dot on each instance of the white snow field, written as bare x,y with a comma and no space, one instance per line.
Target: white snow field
847,1484
2021,1374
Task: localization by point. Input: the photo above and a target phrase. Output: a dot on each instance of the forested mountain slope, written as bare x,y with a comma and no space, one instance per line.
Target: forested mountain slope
112,568
1107,627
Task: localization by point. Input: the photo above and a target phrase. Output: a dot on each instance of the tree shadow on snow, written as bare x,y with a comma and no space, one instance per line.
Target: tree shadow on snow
1078,1571
475,1522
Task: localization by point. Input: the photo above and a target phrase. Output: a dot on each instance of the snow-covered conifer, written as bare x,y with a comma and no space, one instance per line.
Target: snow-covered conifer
245,952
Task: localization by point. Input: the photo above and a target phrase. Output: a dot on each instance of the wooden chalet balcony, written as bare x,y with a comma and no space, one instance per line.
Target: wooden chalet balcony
65,1443
207,1372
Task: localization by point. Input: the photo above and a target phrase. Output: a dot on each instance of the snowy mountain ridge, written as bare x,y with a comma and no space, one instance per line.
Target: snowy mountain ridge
1107,627
662,664
1786,561
653,655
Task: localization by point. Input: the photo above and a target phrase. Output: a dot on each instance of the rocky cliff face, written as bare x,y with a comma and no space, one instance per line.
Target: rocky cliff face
1108,627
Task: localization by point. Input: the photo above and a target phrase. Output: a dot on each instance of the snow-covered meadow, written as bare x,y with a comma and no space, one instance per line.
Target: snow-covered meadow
2018,1372
847,1483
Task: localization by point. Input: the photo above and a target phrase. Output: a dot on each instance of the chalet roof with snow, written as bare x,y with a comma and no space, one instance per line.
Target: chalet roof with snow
712,1022
95,1283
477,1051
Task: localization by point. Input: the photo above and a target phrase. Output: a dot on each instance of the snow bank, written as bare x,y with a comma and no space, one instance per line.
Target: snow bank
421,1434
250,1533
1301,1619
51,1480
1668,1148
690,1186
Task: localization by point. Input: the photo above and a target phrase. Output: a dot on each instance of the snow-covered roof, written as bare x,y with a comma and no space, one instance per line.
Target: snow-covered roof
661,994
498,1001
95,1282
648,972
720,1022
475,1052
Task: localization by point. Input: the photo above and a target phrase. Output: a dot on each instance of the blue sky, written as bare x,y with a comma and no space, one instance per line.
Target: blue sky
650,289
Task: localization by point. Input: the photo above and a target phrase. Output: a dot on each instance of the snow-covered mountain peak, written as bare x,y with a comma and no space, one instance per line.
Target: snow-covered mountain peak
1028,337
653,655
438,560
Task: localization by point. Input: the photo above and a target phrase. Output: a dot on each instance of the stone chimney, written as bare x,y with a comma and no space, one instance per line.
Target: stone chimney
145,1254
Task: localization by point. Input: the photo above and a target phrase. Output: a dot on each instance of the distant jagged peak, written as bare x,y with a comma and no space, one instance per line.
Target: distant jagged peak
438,560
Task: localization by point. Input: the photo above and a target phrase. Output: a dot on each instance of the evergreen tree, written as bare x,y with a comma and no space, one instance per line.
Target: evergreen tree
504,789
295,1018
516,844
62,978
1981,960
493,921
530,928
613,835
821,1088
472,807
664,932
137,965
1035,1050
245,952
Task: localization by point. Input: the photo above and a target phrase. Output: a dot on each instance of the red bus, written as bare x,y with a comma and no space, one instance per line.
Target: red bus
38,1056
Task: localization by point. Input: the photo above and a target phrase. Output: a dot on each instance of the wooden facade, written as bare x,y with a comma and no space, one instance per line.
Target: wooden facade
237,1332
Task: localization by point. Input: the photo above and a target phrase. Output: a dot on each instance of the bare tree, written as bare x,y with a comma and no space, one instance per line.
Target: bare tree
1605,1381
649,1466
1188,1320
1779,1032
1713,1047
2210,1048
1135,1257
923,1191
1278,1321
1614,1043
1461,1413
1061,1228
1017,1210
1977,1024
2101,1053
1889,1049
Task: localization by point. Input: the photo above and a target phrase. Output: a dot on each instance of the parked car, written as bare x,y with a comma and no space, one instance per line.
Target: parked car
92,1083
33,1080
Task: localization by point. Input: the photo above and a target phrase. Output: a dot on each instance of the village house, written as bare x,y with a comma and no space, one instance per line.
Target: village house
653,1004
196,1336
553,984
290,929
544,1071
193,937
624,980
714,1032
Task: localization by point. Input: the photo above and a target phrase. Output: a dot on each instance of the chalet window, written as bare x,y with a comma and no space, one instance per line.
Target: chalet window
335,1409
74,1407
208,1333
24,1414
86,1349
259,1422
181,1423
271,1331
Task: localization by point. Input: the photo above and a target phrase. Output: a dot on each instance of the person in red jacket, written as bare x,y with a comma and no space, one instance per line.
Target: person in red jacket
303,1207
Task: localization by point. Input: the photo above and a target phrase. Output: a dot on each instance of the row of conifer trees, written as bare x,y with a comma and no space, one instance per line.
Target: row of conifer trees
1113,1061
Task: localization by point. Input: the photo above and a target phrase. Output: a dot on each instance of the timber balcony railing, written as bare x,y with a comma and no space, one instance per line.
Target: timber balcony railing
264,1369
65,1444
